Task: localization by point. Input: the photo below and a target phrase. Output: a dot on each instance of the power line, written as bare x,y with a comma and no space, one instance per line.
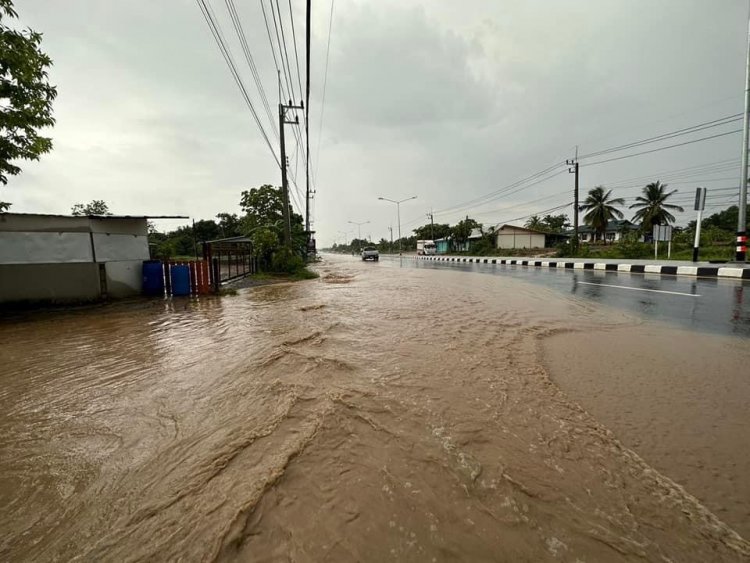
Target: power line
296,55
282,42
213,25
325,84
273,50
665,148
679,132
251,62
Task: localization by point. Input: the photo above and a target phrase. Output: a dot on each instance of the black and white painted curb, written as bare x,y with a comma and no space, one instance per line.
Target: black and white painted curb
700,271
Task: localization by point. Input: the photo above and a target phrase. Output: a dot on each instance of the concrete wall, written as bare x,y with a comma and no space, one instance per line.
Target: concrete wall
49,282
58,258
519,239
124,278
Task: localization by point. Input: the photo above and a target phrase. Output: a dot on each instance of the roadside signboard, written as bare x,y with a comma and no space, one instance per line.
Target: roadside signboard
662,233
700,199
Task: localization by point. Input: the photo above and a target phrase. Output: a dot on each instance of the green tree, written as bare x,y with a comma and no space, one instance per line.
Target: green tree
264,208
556,223
25,93
4,206
265,241
653,208
229,225
95,207
462,230
535,223
432,232
600,209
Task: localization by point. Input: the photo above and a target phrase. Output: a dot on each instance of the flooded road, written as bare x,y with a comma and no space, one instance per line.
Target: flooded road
375,414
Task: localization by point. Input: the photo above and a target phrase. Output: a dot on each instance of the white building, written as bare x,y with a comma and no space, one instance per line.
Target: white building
510,236
61,258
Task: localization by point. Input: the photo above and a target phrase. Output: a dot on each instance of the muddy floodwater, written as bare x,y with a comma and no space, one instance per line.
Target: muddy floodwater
375,414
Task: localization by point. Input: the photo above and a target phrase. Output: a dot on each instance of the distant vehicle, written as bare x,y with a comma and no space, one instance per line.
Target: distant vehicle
426,247
370,253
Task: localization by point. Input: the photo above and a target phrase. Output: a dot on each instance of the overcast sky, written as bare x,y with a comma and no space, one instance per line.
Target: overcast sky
447,101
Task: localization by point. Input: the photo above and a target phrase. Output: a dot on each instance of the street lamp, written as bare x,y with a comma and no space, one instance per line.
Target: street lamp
359,232
398,208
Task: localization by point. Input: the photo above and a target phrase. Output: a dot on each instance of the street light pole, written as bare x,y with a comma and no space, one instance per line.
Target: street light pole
398,211
359,232
741,245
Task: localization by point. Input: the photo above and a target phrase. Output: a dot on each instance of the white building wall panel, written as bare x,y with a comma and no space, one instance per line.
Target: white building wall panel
120,247
520,240
44,248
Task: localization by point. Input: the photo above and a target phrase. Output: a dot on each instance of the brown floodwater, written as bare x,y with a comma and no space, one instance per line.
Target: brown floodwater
374,414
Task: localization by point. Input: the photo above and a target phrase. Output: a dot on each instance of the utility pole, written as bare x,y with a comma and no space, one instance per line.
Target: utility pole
307,129
391,230
284,182
432,225
741,249
573,163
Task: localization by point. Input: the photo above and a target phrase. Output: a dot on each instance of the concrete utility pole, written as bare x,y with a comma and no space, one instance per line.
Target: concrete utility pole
398,207
741,249
284,182
432,225
573,163
391,230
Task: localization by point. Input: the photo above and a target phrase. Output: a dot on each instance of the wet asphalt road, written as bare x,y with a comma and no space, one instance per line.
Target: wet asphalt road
706,304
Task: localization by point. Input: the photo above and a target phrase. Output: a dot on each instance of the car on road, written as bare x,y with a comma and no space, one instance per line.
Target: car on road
370,253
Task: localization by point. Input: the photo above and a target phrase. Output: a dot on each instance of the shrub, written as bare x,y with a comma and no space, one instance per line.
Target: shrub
285,261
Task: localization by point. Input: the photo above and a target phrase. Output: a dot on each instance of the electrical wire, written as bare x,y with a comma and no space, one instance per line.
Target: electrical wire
665,148
679,132
325,84
224,49
251,63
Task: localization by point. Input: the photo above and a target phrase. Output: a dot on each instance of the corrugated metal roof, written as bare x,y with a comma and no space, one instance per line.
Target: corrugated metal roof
97,216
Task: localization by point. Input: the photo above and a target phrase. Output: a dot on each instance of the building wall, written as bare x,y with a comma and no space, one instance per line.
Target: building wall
49,282
60,258
519,239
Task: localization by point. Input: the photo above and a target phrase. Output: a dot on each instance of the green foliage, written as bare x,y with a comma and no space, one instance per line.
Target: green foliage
534,222
4,206
432,232
26,93
95,207
556,223
229,225
600,208
285,261
653,208
265,241
462,231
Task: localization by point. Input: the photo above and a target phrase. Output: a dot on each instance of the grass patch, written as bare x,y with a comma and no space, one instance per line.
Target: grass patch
304,274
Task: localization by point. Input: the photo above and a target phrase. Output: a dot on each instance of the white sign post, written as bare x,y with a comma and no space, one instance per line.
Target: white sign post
662,233
700,204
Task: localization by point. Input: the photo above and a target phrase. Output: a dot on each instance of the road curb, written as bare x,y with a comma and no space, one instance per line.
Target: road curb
665,269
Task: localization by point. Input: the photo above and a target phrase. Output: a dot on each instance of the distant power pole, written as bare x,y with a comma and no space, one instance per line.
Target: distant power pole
573,163
432,225
391,229
284,182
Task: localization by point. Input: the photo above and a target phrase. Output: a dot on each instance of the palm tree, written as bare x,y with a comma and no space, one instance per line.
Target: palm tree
535,223
652,206
601,209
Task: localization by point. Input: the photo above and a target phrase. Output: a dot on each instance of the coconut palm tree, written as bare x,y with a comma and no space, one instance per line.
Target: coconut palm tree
534,223
600,208
652,207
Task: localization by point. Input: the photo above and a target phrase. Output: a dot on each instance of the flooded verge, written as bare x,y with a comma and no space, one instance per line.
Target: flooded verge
678,398
374,414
